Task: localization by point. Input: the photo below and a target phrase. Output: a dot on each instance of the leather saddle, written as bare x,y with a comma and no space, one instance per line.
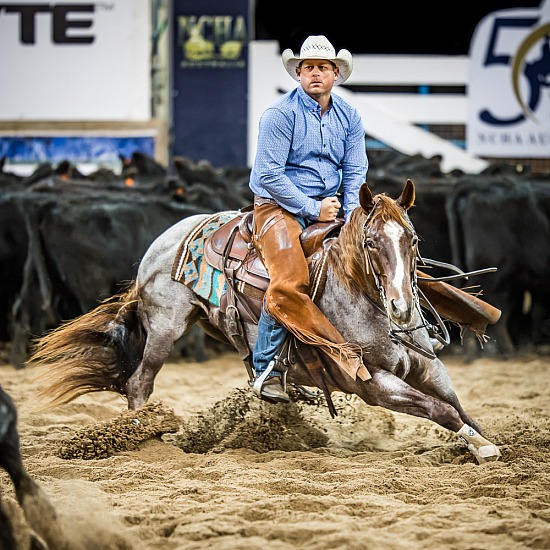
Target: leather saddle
231,250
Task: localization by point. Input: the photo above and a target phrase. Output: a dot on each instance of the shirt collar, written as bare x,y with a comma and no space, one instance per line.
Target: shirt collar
309,102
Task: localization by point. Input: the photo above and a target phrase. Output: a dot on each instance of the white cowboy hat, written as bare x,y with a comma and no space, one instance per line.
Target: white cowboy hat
318,47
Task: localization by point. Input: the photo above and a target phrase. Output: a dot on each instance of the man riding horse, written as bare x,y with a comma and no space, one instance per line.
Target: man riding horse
367,293
311,143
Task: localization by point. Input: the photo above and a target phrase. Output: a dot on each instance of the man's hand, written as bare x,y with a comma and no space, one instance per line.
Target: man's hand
330,206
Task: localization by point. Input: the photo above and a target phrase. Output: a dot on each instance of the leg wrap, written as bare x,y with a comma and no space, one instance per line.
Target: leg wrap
481,448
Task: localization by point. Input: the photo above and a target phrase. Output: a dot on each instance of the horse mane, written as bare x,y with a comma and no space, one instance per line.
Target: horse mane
346,256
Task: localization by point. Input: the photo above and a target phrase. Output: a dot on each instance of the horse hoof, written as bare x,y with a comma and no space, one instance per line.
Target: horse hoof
486,453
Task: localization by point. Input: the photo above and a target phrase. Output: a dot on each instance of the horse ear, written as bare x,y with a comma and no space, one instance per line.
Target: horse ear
365,198
407,197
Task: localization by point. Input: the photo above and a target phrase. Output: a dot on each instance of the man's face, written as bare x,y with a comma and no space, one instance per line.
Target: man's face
317,76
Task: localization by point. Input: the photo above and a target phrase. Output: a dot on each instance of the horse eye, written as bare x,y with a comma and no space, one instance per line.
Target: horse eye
370,244
415,241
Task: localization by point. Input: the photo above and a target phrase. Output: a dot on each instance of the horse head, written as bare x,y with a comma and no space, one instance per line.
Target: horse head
390,246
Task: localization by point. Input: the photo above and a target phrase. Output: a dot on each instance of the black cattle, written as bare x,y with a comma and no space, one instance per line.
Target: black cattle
386,173
428,215
39,513
9,181
501,223
67,241
82,248
13,252
533,323
142,171
391,163
202,185
142,165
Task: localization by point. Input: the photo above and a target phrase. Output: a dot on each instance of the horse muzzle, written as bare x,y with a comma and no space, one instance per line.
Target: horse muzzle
400,311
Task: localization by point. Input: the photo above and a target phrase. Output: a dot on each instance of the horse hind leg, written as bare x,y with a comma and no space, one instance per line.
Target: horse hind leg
164,325
140,385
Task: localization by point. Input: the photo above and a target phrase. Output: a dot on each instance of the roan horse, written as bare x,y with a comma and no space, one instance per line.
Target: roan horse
365,280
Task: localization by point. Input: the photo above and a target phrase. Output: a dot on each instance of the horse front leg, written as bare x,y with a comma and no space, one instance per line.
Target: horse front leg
388,391
434,380
479,446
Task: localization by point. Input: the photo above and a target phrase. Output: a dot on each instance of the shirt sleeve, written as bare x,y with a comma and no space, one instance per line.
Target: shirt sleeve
354,166
274,142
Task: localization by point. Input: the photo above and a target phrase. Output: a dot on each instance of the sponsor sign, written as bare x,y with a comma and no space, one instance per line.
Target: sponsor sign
75,60
210,81
28,151
509,84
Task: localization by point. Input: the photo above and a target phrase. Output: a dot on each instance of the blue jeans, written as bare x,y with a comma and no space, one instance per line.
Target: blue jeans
270,339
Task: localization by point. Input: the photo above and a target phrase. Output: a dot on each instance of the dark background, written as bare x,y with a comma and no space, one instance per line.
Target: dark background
377,28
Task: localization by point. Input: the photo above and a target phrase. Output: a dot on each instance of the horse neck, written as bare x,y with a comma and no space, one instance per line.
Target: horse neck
346,259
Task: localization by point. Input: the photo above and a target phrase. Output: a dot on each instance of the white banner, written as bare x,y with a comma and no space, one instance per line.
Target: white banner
509,84
75,60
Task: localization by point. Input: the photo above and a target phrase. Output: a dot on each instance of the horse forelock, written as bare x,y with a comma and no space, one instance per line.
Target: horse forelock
387,209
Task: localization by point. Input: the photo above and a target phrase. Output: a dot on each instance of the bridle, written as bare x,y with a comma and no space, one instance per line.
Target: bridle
398,334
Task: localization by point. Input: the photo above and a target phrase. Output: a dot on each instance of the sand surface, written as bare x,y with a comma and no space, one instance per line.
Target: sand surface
207,465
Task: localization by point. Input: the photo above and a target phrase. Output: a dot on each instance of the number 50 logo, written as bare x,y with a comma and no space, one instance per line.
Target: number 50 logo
509,84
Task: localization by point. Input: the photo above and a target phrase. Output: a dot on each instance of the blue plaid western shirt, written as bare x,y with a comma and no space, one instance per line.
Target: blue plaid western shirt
303,157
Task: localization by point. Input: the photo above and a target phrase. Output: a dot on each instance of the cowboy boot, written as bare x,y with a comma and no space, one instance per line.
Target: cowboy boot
272,388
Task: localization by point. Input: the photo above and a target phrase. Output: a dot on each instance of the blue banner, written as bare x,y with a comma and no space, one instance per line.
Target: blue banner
76,149
210,81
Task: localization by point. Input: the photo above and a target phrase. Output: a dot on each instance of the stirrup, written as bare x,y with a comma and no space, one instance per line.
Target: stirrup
259,382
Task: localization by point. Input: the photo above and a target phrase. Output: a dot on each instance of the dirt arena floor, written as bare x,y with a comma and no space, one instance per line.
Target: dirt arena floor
207,465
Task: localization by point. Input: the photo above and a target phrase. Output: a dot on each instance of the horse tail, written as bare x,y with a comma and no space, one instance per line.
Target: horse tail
97,351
